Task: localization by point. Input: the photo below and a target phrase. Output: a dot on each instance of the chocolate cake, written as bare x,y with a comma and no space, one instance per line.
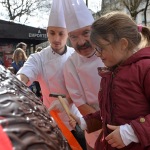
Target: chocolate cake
25,119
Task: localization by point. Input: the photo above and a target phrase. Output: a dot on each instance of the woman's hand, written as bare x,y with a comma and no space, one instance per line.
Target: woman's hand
73,120
114,138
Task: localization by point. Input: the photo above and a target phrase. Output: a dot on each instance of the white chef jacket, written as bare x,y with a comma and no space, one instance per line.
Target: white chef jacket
83,83
46,67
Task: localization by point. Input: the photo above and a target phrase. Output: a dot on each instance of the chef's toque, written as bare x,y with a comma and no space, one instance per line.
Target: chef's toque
56,17
76,14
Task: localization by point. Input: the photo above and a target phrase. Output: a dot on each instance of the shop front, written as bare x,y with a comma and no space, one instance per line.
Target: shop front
12,33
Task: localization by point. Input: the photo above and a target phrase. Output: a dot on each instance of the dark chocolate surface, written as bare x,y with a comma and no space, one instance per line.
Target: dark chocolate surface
25,119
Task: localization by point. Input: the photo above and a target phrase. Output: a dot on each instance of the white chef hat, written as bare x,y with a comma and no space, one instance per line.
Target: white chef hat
56,17
76,14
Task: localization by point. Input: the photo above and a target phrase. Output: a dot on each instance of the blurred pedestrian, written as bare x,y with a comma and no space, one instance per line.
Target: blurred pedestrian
19,57
22,45
1,62
38,49
35,86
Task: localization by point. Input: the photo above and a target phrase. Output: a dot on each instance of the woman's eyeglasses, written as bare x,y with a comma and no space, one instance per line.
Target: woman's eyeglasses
99,49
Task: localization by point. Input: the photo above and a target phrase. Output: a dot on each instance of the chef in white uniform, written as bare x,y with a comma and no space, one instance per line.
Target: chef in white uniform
80,71
46,66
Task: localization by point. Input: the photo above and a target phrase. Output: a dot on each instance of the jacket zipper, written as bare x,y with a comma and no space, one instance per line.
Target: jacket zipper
110,99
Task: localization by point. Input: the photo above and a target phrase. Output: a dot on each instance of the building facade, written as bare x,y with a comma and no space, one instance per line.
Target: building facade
12,33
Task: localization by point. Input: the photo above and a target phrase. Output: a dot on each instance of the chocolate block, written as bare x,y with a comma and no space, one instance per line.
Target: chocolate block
25,119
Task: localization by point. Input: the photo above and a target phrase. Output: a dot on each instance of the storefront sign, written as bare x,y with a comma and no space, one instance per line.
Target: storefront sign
37,35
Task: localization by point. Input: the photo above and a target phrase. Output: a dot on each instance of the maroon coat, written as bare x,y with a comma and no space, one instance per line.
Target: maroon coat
124,97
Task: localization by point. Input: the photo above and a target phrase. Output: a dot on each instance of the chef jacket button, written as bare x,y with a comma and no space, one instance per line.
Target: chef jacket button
142,120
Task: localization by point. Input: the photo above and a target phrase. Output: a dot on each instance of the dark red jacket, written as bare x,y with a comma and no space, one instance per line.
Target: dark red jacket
124,97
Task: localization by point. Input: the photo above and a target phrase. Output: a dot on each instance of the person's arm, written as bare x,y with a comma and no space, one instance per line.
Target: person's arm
23,78
75,89
127,134
76,92
86,109
93,121
30,70
141,125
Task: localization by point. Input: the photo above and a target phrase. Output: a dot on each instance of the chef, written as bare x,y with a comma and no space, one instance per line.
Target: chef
46,66
80,71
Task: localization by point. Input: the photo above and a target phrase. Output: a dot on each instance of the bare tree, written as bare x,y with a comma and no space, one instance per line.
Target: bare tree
145,11
24,8
87,3
133,7
111,5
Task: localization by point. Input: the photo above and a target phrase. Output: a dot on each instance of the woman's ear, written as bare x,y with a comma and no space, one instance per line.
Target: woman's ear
124,43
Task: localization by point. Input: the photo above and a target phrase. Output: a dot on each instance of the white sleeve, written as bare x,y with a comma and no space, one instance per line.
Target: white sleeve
83,124
30,68
73,84
127,134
